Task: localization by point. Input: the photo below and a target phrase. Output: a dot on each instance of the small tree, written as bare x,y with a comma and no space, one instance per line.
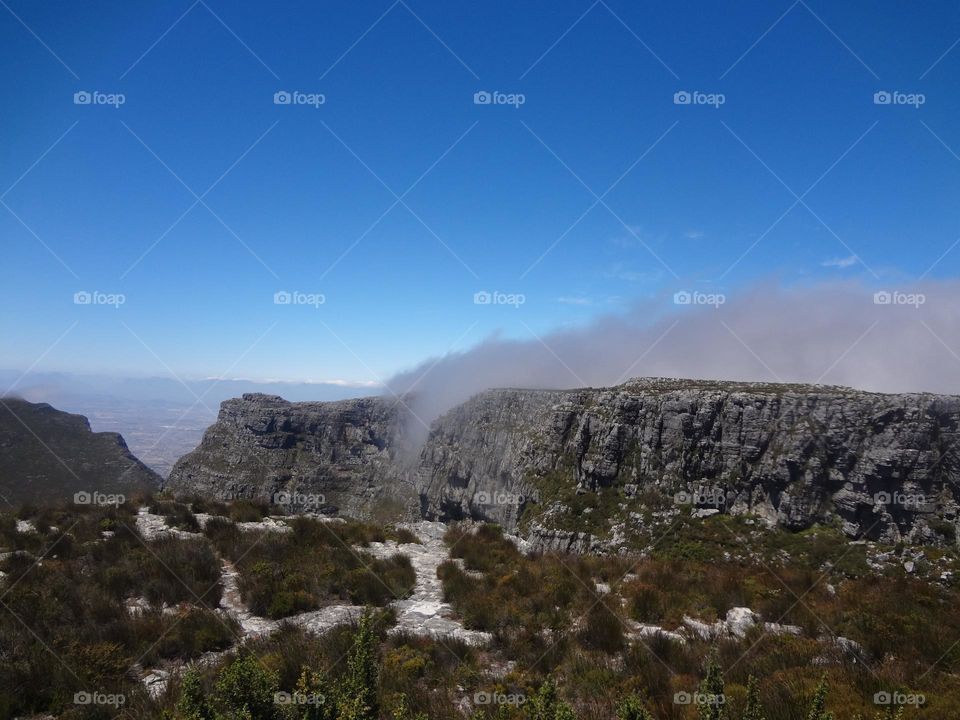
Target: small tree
192,704
818,708
712,689
313,699
753,710
358,693
631,708
547,705
402,711
245,689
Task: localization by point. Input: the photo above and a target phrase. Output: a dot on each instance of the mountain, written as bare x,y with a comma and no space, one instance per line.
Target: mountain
592,460
48,456
343,454
161,418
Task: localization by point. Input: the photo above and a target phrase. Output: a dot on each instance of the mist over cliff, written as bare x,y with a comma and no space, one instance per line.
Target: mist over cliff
897,337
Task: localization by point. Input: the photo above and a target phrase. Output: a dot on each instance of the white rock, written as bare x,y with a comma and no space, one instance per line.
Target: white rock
25,526
740,620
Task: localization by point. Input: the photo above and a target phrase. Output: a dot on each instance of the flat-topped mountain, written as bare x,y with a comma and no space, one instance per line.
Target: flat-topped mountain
47,456
878,465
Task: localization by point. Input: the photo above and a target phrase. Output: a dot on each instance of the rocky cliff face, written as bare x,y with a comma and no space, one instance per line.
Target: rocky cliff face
881,466
48,456
330,457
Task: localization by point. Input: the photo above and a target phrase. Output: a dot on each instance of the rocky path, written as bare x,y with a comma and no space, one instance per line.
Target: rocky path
425,612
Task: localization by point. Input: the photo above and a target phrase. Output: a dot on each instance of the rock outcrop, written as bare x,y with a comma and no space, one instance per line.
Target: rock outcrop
327,457
49,456
881,466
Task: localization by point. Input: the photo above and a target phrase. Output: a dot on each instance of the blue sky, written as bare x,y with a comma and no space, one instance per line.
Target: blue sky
492,197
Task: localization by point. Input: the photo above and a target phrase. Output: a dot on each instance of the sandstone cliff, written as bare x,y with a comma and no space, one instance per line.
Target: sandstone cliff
330,457
878,465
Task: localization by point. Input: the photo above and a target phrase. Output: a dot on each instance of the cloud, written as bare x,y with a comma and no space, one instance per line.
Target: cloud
833,333
575,300
694,234
841,262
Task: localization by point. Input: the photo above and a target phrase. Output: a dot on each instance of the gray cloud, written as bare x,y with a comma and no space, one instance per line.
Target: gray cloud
832,333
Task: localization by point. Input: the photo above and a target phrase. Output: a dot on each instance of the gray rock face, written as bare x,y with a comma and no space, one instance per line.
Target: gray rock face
48,456
884,466
324,457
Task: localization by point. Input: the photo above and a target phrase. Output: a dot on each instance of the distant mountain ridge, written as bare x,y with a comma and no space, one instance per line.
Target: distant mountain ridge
48,456
880,466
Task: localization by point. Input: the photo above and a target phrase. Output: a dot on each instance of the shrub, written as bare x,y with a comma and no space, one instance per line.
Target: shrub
245,689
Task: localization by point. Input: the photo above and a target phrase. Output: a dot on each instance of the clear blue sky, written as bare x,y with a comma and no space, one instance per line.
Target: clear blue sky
98,193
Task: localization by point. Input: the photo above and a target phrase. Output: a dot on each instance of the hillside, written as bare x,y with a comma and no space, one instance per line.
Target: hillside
47,456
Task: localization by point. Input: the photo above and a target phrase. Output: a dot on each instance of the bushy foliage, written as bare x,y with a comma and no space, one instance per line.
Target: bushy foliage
314,565
358,694
631,708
